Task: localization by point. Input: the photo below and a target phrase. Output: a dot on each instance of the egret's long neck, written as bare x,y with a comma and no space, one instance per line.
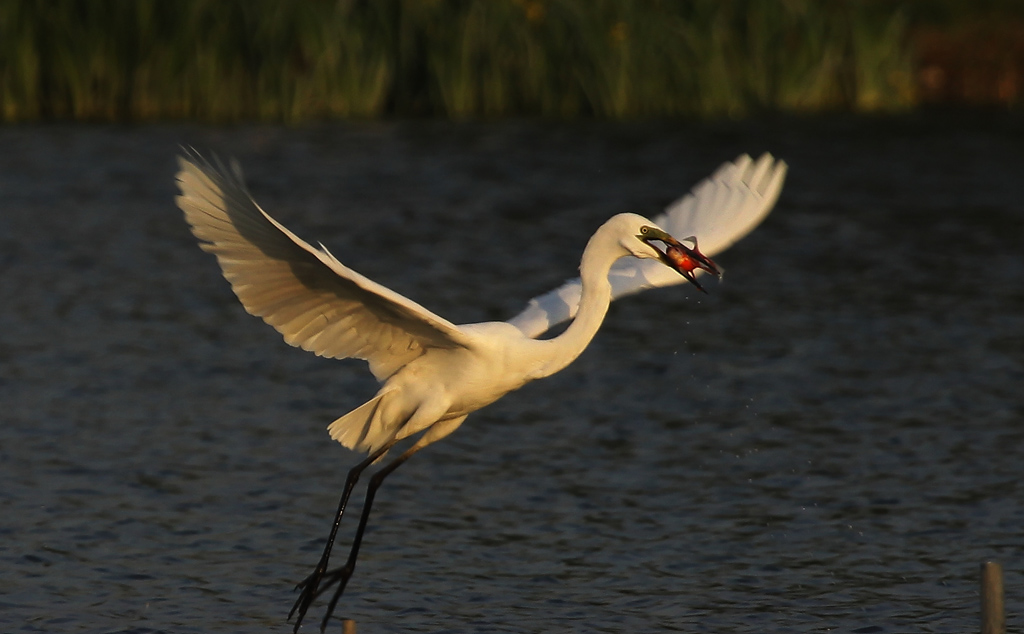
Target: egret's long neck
598,257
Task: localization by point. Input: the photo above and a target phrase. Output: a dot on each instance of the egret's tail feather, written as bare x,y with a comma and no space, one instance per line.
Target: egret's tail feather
365,428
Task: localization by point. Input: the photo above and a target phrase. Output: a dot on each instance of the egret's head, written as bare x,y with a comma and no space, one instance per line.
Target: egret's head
677,255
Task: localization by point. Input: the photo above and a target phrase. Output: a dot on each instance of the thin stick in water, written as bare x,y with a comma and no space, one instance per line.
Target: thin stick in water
993,617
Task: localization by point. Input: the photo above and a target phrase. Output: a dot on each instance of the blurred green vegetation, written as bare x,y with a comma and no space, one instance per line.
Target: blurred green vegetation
273,60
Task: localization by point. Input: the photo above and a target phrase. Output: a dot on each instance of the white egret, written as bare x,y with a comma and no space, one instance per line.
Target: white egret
435,373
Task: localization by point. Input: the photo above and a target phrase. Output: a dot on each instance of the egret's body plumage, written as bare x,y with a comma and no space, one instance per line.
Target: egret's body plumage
442,385
433,372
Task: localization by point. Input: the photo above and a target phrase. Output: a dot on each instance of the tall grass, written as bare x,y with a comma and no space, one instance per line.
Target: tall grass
275,60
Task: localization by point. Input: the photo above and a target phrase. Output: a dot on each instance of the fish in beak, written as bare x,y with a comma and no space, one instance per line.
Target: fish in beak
678,256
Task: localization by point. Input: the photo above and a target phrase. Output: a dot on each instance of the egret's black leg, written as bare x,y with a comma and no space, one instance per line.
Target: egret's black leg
342,575
310,585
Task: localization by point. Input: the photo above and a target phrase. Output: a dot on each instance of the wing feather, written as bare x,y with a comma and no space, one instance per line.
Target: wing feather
719,211
316,302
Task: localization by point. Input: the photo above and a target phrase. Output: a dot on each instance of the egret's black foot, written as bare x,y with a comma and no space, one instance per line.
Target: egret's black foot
313,586
310,587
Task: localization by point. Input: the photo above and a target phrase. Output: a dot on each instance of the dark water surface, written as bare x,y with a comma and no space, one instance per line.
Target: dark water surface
833,440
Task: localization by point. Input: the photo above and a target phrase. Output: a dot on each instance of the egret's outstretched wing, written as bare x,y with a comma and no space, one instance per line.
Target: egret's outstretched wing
311,298
719,210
